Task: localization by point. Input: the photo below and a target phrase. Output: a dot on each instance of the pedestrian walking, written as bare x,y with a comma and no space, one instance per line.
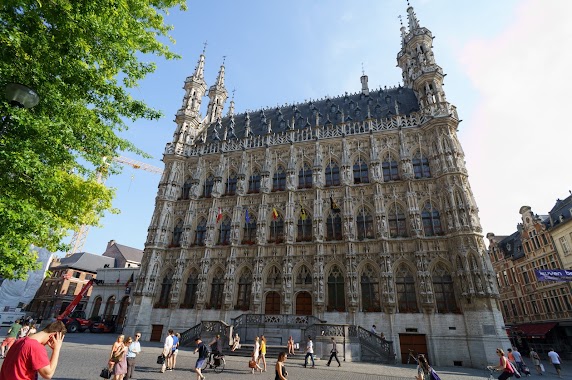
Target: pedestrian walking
309,352
290,345
203,355
132,351
115,353
255,354
510,356
280,369
13,332
24,330
535,360
120,367
176,343
334,353
262,355
504,366
373,330
28,357
555,359
519,361
167,350
235,343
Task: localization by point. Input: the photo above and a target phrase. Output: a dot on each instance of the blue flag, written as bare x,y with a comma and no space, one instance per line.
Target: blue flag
247,217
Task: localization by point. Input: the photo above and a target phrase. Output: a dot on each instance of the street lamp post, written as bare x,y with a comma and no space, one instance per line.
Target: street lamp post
18,95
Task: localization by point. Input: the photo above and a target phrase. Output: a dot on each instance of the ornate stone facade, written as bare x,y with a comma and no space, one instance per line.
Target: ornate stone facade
355,209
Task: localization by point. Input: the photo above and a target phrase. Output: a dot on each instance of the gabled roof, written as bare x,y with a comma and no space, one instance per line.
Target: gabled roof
85,261
380,104
511,246
130,253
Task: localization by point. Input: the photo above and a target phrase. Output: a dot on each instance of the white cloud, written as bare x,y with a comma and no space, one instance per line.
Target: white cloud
519,139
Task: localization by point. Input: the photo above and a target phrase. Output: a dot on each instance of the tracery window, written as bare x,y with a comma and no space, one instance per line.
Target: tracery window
332,175
208,186
361,174
370,290
200,232
364,225
244,290
249,235
305,177
177,233
406,295
279,179
165,294
224,232
397,222
390,169
431,221
444,291
277,230
334,227
191,290
217,290
231,184
274,277
336,291
187,188
254,182
304,227
304,276
421,167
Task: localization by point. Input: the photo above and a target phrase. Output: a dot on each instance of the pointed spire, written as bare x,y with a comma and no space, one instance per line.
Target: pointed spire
231,106
412,17
220,77
200,69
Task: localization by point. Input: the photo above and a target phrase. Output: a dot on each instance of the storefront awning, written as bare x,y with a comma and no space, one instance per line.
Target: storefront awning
534,330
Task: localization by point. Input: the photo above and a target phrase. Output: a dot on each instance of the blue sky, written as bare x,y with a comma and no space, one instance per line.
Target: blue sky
506,72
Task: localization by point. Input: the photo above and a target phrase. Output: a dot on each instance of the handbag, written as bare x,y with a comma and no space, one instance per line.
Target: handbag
434,375
161,359
542,367
105,373
251,364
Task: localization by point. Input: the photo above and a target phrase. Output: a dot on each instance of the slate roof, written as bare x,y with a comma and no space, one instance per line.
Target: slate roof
511,246
85,261
352,107
562,207
130,253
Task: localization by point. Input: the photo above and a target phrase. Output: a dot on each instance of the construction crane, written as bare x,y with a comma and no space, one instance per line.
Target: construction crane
79,236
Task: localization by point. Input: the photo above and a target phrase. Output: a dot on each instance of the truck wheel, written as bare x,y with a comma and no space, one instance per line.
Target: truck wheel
73,327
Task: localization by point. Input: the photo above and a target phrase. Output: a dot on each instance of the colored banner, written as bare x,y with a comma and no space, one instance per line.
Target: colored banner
553,275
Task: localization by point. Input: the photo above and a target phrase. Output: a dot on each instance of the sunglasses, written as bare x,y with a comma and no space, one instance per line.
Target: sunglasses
137,336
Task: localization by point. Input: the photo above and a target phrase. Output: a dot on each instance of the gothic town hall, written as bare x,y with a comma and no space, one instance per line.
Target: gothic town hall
350,211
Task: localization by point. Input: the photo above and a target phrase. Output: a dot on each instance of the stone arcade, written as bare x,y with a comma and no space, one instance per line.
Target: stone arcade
355,209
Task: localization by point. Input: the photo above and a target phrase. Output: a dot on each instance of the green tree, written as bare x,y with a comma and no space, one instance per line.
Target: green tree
81,57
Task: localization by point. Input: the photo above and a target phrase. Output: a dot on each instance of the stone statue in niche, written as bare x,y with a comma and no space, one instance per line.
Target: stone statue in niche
195,190
291,181
241,186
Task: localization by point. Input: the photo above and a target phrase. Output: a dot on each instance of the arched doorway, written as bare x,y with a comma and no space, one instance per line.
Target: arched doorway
96,307
303,303
123,310
272,303
109,306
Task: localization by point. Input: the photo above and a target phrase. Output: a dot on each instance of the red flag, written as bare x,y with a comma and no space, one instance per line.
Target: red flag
219,215
118,279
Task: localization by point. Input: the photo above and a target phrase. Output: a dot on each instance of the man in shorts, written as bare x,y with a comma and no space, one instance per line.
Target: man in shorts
555,359
11,338
28,357
203,355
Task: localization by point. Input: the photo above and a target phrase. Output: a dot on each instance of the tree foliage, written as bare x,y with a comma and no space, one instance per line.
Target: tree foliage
81,57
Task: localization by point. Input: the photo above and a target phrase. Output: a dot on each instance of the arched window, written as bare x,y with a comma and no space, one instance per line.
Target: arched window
274,277
224,232
277,230
96,307
444,291
431,221
249,236
406,295
421,166
332,175
304,276
244,290
370,290
361,174
109,307
217,290
230,184
208,186
177,233
304,227
364,225
200,232
390,169
336,291
305,177
191,290
279,180
334,227
187,188
254,182
397,222
165,294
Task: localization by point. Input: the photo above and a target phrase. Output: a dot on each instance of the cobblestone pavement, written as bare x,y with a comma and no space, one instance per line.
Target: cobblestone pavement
84,355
